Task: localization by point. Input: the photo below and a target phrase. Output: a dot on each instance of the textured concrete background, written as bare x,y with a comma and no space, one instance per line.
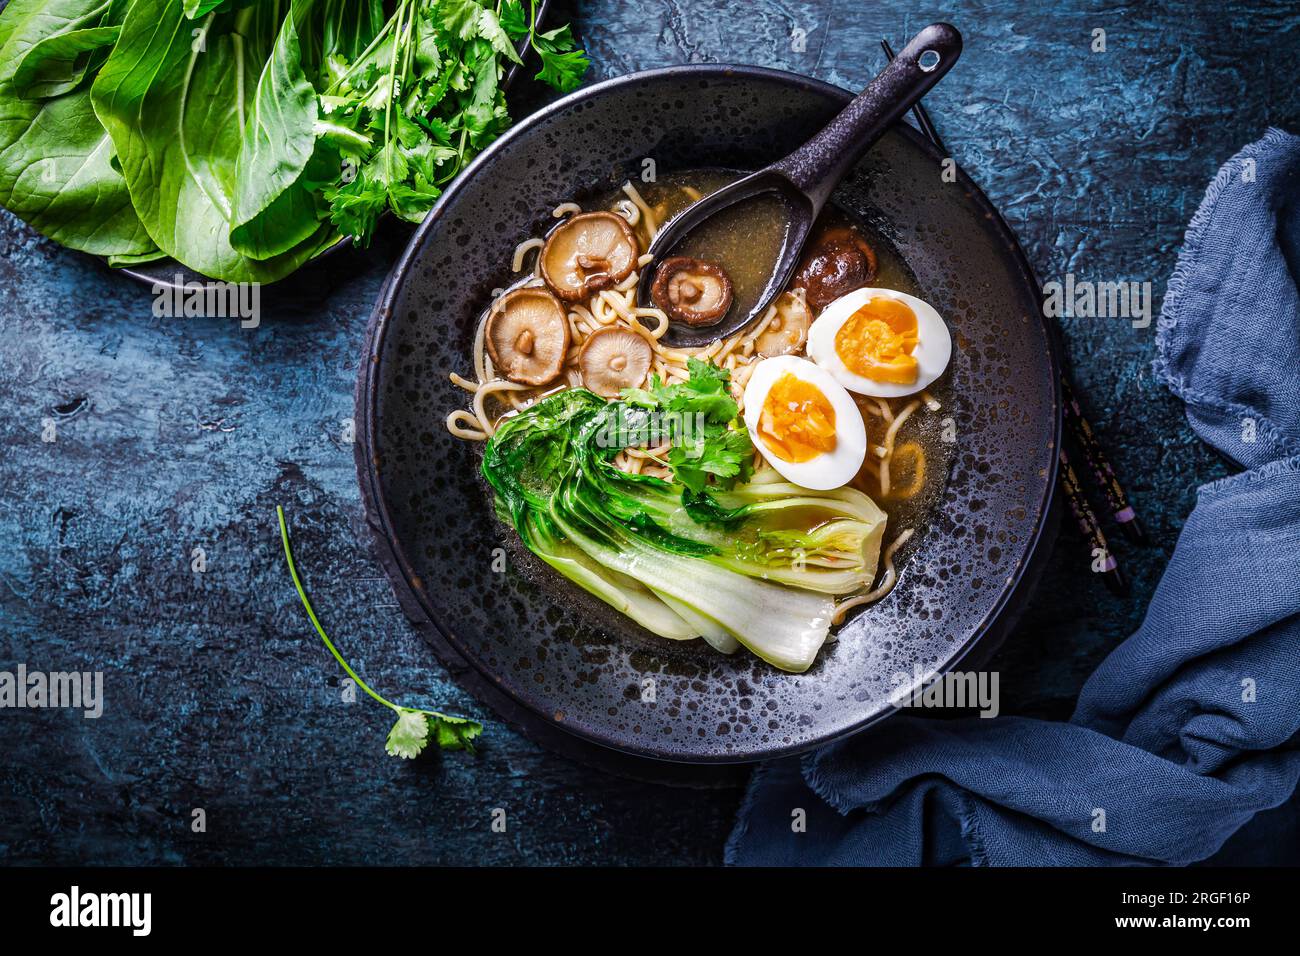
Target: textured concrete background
176,435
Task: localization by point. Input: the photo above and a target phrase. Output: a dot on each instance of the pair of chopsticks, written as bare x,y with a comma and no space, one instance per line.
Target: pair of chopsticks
1100,557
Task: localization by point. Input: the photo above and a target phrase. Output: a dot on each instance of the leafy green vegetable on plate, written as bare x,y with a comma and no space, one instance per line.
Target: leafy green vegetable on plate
57,167
243,138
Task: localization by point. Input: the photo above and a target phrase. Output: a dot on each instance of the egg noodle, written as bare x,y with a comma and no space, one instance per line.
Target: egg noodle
493,399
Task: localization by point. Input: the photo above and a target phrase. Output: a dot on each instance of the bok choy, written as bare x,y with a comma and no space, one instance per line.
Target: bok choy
754,565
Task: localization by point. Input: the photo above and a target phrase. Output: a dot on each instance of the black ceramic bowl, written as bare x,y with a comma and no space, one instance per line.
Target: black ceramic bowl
537,644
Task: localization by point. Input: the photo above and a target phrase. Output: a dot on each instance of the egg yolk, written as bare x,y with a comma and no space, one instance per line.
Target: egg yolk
877,341
798,421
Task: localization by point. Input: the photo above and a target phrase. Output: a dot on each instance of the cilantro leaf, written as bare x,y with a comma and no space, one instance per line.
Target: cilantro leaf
708,442
640,397
563,70
490,29
412,203
438,129
454,733
389,167
513,19
706,377
562,65
729,455
557,40
428,58
409,735
416,729
723,452
355,207
459,17
705,393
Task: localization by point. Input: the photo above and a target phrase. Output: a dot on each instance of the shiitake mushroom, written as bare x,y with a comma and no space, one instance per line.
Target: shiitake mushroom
839,261
528,336
788,330
613,359
588,252
692,290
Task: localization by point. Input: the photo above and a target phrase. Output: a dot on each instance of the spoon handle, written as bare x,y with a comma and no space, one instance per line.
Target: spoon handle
819,164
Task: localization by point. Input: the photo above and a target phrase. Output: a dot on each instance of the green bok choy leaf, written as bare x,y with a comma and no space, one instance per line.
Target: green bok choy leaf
57,169
755,565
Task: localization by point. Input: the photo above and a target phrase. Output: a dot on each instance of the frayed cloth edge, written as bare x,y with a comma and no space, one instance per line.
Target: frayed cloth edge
1171,307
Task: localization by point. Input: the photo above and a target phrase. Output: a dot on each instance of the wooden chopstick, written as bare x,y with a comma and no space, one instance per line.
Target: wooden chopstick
1121,512
1101,558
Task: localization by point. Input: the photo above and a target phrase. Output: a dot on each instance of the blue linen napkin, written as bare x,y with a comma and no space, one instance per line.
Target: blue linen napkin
1189,728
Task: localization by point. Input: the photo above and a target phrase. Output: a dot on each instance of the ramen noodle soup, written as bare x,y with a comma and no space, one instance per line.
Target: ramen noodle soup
751,492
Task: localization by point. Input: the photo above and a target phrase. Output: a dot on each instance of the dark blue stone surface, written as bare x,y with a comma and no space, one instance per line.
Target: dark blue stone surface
172,435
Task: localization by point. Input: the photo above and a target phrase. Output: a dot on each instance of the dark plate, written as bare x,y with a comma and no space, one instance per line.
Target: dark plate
169,274
545,648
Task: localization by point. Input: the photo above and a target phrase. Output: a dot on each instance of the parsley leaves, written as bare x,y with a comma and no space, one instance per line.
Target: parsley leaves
562,65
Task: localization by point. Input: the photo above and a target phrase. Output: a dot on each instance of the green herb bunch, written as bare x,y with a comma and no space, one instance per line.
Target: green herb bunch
409,113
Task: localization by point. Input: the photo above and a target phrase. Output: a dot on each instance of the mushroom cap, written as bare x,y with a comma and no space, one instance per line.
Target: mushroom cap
613,359
840,261
528,335
788,330
692,290
588,252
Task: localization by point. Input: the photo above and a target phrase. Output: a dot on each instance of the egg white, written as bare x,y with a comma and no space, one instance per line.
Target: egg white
932,353
830,469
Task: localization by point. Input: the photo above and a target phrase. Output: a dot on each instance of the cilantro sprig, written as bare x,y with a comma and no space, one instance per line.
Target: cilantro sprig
425,97
716,446
563,65
415,728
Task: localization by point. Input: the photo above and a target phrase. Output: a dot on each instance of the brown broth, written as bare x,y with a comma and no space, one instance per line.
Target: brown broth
745,239
747,243
925,428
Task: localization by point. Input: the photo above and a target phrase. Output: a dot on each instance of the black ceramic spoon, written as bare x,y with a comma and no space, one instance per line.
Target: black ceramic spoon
804,179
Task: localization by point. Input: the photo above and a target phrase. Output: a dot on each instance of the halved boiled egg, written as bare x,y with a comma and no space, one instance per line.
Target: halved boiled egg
880,342
804,422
